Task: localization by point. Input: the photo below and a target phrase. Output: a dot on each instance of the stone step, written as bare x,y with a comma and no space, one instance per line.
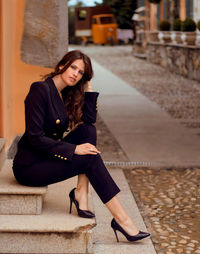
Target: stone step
104,237
54,231
2,152
18,199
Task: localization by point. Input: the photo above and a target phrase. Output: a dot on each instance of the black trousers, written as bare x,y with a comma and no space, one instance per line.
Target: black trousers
47,172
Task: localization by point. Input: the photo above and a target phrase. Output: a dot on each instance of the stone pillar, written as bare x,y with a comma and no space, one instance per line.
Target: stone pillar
161,10
182,9
153,16
45,36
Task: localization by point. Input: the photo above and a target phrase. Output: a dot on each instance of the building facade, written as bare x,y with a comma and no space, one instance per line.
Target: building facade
169,9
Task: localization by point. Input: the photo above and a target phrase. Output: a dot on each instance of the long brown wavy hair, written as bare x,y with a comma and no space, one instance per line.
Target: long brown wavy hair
73,96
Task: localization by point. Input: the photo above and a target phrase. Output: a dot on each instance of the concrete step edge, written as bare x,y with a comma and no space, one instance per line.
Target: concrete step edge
54,243
8,184
55,215
18,199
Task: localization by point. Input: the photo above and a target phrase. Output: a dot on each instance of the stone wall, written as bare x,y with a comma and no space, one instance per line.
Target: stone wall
181,59
45,36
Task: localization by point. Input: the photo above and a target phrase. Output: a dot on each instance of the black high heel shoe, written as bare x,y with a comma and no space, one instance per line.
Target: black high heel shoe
81,213
131,238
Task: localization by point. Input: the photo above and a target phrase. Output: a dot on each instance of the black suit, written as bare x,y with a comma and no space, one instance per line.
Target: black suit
44,156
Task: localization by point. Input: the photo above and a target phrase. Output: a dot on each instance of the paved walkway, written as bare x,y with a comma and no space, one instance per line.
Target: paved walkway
146,133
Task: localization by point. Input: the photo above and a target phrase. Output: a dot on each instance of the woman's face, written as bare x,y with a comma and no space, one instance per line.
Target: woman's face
74,73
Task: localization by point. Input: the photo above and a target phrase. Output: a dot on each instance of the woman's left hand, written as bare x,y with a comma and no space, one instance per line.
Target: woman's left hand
88,86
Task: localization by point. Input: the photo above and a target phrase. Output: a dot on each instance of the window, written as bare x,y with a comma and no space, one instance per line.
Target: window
82,14
94,21
107,20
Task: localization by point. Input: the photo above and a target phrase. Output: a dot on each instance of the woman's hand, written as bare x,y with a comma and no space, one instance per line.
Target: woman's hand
86,148
88,87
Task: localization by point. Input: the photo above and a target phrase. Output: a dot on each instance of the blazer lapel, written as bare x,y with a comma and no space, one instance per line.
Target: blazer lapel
56,100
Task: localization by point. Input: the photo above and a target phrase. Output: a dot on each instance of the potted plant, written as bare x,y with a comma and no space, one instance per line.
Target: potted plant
188,26
198,25
176,34
198,34
154,1
164,34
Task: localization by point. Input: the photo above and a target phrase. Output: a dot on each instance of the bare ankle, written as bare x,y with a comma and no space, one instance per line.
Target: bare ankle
122,219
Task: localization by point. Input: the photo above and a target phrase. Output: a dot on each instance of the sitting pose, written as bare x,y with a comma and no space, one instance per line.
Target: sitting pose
60,141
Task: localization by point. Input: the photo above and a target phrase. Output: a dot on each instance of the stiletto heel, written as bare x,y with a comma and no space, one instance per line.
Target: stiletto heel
131,238
81,213
70,209
116,235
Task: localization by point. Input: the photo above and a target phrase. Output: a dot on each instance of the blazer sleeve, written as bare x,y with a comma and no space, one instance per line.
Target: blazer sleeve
36,104
90,107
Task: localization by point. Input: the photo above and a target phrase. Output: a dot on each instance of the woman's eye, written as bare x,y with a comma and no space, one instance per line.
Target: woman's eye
73,67
80,72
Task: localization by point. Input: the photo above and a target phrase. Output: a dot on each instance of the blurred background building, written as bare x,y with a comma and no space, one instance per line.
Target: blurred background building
168,34
169,9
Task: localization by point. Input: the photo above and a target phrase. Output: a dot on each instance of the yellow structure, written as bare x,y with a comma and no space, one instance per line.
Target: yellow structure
15,76
104,29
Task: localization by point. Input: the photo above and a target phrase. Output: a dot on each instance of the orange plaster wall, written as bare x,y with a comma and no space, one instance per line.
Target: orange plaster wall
1,89
16,75
7,67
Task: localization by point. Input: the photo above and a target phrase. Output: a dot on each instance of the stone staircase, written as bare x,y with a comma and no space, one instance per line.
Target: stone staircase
37,220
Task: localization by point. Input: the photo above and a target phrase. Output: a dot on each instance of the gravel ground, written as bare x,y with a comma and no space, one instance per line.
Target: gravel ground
168,198
179,96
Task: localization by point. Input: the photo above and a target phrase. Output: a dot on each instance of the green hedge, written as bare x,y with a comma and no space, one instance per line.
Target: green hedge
155,1
198,25
164,25
177,25
188,25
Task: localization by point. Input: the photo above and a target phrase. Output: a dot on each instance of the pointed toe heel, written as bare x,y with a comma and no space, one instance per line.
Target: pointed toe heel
131,238
81,213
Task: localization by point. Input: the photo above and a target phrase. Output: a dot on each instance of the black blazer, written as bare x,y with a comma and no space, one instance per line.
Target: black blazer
46,121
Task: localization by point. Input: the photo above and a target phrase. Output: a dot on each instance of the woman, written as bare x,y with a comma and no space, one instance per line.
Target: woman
65,101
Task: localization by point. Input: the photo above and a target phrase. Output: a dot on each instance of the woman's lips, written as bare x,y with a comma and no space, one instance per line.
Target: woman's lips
73,79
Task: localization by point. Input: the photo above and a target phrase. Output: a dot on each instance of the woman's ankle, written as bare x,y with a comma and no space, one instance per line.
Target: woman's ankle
121,219
82,198
80,192
127,223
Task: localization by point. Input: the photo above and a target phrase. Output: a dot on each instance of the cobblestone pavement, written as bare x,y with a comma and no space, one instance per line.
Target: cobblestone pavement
179,96
168,198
